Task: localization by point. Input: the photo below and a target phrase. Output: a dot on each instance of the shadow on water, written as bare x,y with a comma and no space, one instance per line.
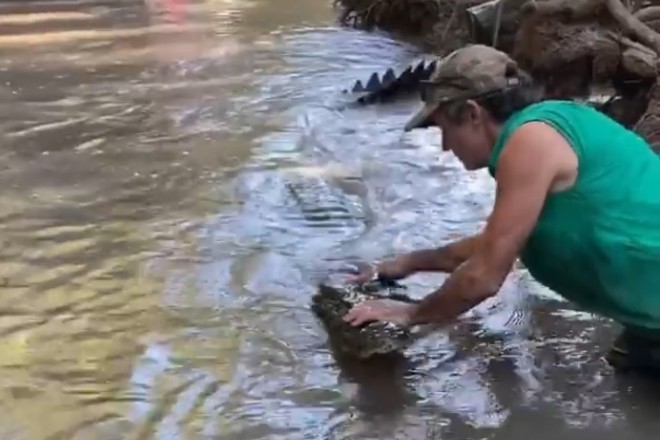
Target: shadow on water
178,175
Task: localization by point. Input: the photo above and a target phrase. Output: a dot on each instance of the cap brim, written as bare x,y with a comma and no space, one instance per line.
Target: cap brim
422,119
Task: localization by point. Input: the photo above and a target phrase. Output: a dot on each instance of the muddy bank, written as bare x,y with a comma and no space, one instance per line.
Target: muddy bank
575,49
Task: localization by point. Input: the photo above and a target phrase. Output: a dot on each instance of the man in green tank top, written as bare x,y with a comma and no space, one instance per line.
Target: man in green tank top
577,200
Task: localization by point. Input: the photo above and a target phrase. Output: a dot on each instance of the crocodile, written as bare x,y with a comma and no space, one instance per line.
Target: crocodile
331,302
388,86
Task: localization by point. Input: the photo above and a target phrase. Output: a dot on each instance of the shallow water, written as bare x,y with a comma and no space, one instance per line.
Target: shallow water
176,178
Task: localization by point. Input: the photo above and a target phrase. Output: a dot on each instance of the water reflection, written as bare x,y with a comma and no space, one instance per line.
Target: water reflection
177,176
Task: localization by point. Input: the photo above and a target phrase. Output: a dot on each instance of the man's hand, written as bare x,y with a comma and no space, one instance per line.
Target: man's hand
394,269
389,310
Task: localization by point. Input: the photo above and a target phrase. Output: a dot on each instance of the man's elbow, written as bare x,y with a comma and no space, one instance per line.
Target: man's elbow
484,288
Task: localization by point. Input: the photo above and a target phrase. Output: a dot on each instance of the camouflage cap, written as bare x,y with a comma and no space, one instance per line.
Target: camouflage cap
466,73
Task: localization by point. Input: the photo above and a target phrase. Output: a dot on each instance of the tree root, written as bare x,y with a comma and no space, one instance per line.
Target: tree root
434,25
648,125
569,10
407,16
632,25
601,43
649,13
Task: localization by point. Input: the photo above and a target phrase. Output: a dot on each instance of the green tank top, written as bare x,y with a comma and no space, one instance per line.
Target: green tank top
598,243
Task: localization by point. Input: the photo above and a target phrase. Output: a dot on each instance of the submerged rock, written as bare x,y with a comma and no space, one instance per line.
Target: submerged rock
331,303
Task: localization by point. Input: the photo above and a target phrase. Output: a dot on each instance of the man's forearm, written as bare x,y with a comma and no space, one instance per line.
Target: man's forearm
443,259
468,286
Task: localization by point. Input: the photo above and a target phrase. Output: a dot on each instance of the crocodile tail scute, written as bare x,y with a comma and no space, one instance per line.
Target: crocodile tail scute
390,85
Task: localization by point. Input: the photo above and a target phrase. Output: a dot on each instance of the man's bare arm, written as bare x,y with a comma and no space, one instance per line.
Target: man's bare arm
444,258
529,166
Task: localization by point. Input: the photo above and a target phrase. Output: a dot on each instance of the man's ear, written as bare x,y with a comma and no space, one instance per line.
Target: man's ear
435,117
472,112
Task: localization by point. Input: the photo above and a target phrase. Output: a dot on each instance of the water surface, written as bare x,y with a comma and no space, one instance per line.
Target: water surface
177,176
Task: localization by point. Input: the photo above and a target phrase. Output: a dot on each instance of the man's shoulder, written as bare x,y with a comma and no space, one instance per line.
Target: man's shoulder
546,111
538,148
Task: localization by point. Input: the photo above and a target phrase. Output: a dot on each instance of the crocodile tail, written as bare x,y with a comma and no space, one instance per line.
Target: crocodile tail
391,86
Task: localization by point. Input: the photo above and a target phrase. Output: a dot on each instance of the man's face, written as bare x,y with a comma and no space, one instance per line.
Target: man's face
466,138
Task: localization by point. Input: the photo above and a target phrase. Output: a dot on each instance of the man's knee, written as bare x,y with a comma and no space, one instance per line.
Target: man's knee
636,351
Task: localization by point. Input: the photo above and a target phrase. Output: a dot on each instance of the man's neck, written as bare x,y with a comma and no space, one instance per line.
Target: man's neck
493,130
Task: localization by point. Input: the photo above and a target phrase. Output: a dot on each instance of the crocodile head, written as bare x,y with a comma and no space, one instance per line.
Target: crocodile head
331,303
